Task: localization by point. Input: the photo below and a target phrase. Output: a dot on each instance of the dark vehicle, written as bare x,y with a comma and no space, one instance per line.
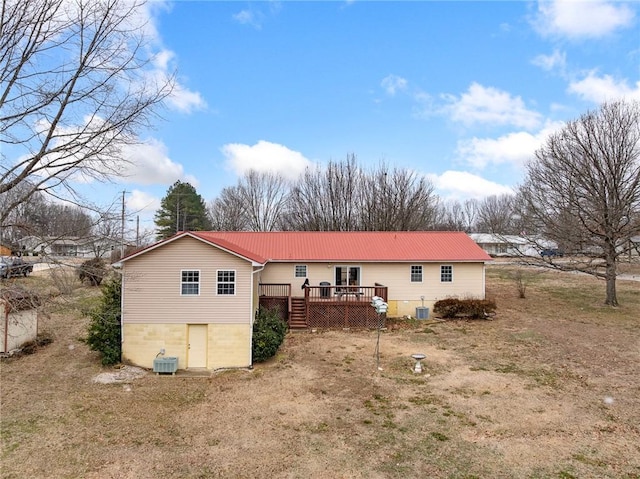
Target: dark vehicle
551,253
14,266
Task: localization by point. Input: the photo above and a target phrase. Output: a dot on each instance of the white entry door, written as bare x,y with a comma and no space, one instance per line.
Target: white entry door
197,347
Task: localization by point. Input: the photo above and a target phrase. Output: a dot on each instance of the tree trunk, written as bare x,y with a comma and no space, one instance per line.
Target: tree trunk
612,297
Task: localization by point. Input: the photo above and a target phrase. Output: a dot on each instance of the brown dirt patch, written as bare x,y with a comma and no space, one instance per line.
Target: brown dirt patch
548,388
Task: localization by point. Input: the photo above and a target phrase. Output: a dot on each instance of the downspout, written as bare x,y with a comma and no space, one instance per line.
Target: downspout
484,280
121,312
252,316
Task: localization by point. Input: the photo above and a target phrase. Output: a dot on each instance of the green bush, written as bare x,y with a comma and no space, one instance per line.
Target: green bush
104,328
268,334
92,270
467,308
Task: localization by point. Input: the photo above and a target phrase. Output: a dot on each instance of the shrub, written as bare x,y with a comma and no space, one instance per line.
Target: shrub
268,334
92,270
468,308
104,327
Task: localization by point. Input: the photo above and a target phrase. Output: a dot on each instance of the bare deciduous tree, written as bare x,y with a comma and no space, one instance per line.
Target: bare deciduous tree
73,90
256,203
583,190
344,197
495,215
397,200
453,215
339,197
264,197
327,199
227,211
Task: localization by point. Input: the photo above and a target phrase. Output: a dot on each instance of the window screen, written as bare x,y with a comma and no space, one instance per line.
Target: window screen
190,283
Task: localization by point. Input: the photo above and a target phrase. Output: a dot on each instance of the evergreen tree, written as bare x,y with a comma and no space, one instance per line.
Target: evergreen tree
182,209
104,328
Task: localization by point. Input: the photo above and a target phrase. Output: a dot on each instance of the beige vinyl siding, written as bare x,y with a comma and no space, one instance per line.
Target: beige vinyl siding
316,272
468,278
405,296
152,286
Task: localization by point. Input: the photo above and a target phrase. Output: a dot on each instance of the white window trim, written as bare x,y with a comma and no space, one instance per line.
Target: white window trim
306,271
234,282
450,266
199,282
348,266
411,273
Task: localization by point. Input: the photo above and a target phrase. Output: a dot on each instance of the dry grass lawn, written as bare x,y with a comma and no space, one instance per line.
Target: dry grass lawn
548,389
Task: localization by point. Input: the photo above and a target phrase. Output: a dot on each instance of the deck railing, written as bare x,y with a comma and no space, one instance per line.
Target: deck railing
276,296
342,294
329,306
274,290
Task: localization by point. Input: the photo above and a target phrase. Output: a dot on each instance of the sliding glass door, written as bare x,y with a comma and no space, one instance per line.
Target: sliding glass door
347,275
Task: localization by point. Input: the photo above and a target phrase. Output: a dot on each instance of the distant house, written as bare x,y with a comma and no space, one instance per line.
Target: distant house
5,250
86,247
507,245
195,295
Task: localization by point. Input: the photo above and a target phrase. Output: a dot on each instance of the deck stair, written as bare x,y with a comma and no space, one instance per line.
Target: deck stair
298,317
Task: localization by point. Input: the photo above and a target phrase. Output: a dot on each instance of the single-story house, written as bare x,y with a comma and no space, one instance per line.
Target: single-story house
83,247
195,295
634,246
510,245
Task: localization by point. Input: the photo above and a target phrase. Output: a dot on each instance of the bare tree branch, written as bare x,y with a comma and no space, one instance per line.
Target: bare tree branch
73,90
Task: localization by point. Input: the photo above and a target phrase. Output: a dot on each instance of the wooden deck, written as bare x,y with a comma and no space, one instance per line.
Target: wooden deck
325,306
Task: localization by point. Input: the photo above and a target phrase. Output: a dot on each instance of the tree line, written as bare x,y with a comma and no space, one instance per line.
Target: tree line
343,196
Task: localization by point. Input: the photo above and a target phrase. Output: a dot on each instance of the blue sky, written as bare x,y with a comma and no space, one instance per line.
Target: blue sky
462,92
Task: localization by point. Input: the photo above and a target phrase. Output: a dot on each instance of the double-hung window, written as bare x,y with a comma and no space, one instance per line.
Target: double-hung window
300,271
226,282
446,273
190,282
416,273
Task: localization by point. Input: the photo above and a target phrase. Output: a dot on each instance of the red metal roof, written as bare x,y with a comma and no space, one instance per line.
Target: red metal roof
333,246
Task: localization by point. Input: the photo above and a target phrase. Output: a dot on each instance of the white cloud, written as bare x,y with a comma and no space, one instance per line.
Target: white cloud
557,60
185,100
393,84
181,98
150,164
249,17
514,148
489,105
162,59
142,203
582,19
461,185
604,88
265,156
